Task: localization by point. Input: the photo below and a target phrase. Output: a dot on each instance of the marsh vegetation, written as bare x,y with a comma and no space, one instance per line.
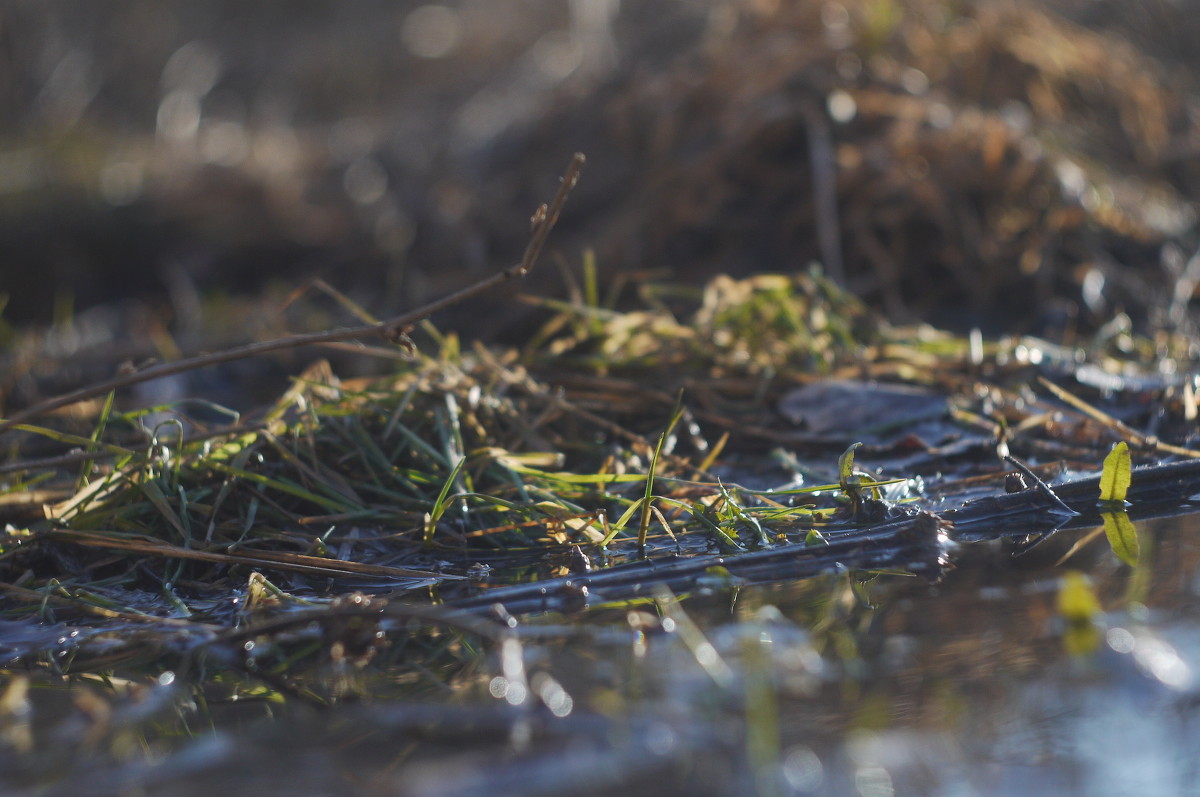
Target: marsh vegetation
838,436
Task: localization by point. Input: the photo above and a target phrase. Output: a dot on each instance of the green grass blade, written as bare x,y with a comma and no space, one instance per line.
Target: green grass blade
101,424
283,486
155,495
74,440
644,525
565,477
615,528
439,506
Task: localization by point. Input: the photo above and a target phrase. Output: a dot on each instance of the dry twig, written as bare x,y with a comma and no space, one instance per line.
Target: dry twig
393,329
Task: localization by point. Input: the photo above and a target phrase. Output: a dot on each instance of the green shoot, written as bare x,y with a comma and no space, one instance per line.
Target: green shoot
1114,485
1115,478
644,525
850,480
439,506
101,424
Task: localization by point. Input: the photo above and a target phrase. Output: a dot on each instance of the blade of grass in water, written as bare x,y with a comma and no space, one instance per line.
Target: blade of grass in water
644,525
615,528
439,506
723,536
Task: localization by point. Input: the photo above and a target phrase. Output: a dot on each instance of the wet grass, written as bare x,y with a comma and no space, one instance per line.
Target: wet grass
615,435
460,456
426,537
676,521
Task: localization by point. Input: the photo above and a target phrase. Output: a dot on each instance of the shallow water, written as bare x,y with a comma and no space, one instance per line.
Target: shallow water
976,685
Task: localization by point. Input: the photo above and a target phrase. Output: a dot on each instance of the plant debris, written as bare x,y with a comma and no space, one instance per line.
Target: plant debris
738,391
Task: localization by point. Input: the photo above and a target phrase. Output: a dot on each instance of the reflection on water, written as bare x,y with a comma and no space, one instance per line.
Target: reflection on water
967,687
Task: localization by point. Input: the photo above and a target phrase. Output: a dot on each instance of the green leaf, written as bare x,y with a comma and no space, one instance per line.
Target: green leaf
1115,478
846,467
1122,536
850,481
283,486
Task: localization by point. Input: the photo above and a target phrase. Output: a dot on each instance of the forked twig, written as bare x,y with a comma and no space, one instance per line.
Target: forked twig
392,329
1042,487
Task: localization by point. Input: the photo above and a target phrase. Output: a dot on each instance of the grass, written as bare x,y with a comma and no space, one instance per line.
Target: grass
408,481
347,545
427,460
366,524
477,455
480,517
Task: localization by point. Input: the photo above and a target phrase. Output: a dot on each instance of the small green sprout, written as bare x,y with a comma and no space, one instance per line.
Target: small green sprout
1115,478
648,498
439,506
1114,485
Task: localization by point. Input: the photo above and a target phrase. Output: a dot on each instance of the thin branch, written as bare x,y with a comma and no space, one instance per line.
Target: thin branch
544,220
281,560
1122,430
823,163
1042,487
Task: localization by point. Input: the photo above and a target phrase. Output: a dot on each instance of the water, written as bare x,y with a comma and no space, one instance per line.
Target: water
977,685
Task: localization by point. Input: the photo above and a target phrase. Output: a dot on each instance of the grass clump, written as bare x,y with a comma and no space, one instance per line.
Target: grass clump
458,458
761,324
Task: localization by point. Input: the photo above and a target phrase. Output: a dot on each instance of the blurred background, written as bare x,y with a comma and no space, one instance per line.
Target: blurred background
171,171
159,149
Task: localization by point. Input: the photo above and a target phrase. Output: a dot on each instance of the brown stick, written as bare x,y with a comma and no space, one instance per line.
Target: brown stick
282,560
823,162
543,221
